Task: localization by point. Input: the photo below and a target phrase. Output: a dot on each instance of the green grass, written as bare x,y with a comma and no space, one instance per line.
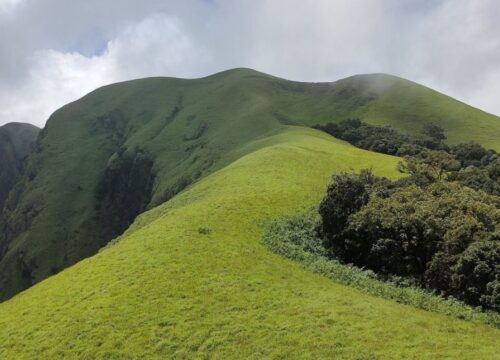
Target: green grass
189,129
295,238
191,279
406,104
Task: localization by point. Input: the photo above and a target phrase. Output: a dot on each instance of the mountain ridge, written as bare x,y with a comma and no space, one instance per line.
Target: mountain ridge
153,137
191,279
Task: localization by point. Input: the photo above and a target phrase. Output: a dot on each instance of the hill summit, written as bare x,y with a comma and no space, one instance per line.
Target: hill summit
128,147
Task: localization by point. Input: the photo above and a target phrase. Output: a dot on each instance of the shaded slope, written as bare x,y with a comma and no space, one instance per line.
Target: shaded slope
168,290
15,144
152,137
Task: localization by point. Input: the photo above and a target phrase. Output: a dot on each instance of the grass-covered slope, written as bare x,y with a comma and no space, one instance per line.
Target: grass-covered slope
403,105
127,147
15,144
191,279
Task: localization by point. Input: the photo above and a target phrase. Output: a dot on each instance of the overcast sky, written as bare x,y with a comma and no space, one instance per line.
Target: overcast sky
54,51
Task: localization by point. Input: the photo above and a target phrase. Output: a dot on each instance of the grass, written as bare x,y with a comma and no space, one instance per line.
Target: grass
189,129
295,238
165,289
405,104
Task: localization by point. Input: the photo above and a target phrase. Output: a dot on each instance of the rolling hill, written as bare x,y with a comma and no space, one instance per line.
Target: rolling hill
191,279
131,146
15,144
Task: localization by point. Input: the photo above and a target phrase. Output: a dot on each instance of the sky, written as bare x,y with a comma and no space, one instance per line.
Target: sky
55,51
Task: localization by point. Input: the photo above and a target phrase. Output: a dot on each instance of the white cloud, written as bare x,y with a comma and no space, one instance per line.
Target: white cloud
8,6
153,46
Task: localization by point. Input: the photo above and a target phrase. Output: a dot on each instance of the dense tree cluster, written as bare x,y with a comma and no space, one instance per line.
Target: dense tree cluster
439,226
426,154
443,235
386,140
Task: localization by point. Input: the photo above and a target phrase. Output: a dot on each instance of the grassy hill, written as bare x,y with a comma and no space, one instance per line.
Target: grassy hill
15,144
191,279
128,147
405,105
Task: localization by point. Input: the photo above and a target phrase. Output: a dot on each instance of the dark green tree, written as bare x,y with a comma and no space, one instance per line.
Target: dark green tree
476,275
433,131
433,165
345,195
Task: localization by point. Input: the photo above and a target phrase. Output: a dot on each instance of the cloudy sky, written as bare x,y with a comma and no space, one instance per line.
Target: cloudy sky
54,51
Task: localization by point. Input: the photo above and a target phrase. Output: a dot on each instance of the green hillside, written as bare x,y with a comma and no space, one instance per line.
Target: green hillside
128,147
15,144
191,279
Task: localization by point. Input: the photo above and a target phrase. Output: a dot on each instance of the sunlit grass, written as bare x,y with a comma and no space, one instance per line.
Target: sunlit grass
168,290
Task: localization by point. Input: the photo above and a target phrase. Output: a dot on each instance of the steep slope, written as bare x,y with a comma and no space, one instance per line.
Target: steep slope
127,147
15,144
191,279
404,105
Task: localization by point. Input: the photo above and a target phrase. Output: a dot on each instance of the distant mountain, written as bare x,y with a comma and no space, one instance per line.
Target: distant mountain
15,144
128,147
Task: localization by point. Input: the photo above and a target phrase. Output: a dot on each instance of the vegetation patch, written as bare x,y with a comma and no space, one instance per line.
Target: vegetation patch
123,191
425,153
444,236
296,237
440,225
229,297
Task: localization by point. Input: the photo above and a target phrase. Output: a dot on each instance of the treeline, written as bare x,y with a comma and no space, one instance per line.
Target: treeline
385,139
438,227
425,153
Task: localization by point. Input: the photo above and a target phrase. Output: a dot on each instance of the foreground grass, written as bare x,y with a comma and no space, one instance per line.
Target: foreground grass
191,278
294,237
